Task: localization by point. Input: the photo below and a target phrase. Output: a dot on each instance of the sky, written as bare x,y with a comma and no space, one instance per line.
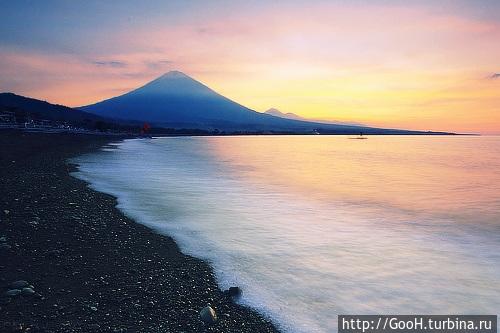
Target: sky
426,65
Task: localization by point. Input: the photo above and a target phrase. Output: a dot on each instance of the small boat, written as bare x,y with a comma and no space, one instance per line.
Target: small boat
359,137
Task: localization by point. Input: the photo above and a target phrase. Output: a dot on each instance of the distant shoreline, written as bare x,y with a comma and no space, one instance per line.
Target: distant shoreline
194,132
93,269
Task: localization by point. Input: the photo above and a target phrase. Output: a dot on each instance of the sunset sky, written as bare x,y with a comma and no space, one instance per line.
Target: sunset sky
427,65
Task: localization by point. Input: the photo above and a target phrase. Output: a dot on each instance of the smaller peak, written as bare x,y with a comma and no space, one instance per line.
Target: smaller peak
272,110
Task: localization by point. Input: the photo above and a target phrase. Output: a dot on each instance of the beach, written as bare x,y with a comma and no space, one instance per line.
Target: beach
93,269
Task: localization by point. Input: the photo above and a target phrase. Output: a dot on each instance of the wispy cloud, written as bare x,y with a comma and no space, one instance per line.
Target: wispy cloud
112,63
494,76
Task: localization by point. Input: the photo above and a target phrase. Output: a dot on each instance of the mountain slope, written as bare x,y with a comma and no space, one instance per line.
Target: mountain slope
176,100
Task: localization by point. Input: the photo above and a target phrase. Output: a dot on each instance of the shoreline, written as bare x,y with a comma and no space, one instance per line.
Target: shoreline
93,269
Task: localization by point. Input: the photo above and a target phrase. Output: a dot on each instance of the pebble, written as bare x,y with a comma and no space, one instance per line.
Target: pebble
27,291
13,292
208,315
6,211
5,246
20,284
233,292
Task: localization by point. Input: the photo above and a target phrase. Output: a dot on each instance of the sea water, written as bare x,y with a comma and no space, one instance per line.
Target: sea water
314,226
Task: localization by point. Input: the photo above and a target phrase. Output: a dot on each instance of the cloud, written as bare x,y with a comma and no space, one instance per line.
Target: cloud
494,76
112,63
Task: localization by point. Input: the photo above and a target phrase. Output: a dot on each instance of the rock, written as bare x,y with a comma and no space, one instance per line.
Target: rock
208,315
93,308
20,284
27,291
5,247
233,292
13,292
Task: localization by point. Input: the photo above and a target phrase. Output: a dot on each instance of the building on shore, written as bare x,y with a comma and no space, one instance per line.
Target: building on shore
7,117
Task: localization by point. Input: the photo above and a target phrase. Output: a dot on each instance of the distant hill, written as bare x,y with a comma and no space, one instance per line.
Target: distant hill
178,101
44,110
289,115
27,109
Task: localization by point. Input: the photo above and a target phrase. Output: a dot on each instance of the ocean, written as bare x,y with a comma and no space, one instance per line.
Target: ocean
315,226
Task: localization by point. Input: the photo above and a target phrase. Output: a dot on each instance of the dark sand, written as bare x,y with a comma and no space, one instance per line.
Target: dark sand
94,269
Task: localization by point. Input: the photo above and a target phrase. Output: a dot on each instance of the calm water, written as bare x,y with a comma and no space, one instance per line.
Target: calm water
315,226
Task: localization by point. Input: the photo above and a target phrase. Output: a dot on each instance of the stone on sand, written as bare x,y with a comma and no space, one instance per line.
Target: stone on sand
19,284
233,292
13,292
27,291
5,246
208,315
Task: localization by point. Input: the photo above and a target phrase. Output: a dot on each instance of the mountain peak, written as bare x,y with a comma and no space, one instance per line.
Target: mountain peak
174,75
173,83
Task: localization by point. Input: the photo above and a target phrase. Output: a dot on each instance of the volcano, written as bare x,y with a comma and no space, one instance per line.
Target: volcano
177,100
